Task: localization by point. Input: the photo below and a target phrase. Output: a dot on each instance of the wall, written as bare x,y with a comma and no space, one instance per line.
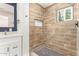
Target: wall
23,25
61,36
77,29
36,33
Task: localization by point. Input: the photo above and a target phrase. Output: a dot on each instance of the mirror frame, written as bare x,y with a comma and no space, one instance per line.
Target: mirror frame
2,29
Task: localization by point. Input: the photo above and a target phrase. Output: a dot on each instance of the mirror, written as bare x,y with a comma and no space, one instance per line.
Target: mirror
8,16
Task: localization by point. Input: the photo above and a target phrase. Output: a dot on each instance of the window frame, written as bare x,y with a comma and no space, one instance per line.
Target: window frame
72,13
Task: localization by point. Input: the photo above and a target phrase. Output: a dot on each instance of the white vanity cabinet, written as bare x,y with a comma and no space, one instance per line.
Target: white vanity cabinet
11,46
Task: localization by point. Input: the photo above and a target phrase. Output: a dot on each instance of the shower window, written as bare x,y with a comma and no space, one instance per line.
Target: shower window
65,14
69,13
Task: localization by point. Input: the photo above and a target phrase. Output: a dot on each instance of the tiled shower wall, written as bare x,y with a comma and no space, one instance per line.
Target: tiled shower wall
57,36
77,29
36,33
61,36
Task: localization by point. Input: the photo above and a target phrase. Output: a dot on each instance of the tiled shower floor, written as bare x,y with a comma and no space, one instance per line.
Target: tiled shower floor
46,52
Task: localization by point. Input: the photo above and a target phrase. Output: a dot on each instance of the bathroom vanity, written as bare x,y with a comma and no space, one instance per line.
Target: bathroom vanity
11,45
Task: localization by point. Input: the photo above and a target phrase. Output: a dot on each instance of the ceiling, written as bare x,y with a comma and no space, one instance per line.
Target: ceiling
45,4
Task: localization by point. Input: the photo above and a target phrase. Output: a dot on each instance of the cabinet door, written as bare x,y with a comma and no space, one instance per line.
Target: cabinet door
15,48
4,50
10,49
10,46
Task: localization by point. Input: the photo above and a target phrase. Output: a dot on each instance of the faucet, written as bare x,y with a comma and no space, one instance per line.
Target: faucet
5,33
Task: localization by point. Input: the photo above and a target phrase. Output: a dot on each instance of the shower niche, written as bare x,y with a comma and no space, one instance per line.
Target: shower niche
38,23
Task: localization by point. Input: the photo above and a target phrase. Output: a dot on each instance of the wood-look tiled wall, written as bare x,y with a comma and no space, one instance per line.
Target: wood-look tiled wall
36,33
58,36
61,36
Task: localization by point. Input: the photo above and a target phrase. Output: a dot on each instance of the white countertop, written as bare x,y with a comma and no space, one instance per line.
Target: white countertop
10,35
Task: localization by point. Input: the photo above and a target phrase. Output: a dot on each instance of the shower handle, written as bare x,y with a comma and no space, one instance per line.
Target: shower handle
76,24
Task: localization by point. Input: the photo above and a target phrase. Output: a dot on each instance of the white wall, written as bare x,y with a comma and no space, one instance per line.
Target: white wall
23,10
